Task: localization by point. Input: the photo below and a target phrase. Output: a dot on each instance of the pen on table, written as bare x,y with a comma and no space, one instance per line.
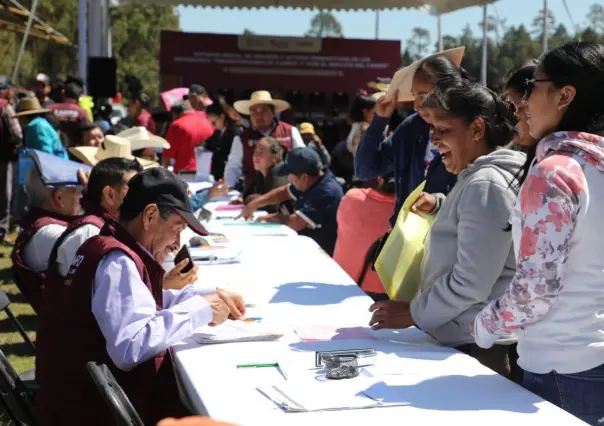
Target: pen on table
205,259
272,364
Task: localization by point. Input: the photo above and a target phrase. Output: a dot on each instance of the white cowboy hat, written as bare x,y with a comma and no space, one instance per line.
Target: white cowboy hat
402,79
261,97
141,138
112,146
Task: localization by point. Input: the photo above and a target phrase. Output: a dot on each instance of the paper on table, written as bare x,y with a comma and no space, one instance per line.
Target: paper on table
234,331
306,397
313,332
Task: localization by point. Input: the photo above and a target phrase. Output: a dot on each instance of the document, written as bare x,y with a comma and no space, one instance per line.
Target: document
235,331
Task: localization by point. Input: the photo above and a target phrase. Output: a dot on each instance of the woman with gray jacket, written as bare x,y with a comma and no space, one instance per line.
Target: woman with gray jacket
469,259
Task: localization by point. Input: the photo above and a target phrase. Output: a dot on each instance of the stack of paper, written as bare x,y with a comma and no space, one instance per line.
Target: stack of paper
296,397
234,331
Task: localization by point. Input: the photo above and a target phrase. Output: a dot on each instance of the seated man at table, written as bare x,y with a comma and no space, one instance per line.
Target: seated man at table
111,309
50,211
316,195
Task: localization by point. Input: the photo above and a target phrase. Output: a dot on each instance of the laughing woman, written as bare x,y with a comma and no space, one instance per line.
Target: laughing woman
555,301
469,258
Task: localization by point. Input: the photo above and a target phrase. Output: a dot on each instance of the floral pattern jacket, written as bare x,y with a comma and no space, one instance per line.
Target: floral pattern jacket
547,208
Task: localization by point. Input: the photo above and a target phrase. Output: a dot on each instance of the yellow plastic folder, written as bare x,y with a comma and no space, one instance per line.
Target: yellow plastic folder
399,263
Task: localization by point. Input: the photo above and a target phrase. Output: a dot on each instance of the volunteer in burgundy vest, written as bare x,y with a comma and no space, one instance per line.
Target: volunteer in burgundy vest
30,282
69,337
282,132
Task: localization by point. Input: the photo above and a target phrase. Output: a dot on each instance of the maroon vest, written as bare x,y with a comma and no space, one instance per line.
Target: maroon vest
282,132
69,337
30,282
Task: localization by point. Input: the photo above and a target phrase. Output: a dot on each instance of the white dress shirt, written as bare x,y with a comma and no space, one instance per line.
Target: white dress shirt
126,312
37,251
234,166
70,245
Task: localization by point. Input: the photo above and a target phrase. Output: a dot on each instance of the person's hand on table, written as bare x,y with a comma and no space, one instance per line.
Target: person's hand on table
218,190
248,212
237,201
220,310
175,280
425,203
234,302
393,314
192,421
270,218
385,107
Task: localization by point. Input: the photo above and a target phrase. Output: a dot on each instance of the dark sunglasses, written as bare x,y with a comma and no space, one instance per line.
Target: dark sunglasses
529,85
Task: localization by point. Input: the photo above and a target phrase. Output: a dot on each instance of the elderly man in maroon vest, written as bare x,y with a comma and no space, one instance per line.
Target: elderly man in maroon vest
262,109
50,211
112,309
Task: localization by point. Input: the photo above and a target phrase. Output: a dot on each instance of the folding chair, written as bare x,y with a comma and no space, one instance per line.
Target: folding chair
15,397
5,306
122,409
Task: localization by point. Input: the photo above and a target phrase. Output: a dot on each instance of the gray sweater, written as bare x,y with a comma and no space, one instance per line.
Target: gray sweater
469,257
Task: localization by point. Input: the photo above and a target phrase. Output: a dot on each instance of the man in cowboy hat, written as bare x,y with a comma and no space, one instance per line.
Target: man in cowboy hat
38,133
144,143
262,109
124,317
112,146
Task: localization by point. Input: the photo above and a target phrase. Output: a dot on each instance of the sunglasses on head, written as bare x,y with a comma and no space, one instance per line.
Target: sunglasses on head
529,85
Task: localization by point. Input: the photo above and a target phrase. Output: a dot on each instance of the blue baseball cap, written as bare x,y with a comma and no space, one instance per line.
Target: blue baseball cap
300,161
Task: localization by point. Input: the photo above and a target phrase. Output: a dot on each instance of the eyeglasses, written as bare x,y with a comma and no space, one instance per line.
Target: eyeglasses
529,85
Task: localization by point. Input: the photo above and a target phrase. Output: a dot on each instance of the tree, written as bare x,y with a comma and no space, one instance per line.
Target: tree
492,27
135,31
325,24
248,32
538,24
595,18
419,42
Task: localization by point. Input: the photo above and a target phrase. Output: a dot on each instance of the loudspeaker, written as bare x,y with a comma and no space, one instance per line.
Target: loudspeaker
102,77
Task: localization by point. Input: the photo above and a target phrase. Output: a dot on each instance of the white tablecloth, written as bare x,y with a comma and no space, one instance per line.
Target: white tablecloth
291,281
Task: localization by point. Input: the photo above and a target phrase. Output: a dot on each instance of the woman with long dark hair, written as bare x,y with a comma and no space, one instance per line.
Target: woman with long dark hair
554,302
514,88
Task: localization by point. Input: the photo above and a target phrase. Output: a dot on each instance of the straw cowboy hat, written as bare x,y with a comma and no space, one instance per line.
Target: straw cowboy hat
380,85
112,146
29,106
402,79
141,138
261,97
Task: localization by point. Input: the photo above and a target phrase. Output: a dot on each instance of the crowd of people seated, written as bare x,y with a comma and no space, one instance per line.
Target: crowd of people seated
510,181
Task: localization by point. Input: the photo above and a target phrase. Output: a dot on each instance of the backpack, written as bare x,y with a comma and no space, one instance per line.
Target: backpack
9,142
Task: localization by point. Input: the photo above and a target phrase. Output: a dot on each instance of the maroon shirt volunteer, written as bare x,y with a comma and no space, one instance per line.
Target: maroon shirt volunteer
67,394
282,132
145,119
70,117
31,283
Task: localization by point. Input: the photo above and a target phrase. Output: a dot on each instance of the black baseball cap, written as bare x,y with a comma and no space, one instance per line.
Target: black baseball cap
162,187
300,161
196,89
5,82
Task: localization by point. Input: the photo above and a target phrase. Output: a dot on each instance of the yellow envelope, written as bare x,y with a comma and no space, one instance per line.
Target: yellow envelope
399,263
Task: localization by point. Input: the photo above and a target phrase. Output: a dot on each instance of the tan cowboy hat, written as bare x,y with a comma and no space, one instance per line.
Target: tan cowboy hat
261,97
402,79
141,138
29,106
380,85
112,146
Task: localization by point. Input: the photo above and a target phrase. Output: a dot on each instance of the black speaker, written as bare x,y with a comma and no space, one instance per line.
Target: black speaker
102,77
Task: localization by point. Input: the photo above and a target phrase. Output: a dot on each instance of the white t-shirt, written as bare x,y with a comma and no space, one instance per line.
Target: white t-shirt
69,247
37,251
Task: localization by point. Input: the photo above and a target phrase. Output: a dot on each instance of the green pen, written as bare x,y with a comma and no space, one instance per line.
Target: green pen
274,364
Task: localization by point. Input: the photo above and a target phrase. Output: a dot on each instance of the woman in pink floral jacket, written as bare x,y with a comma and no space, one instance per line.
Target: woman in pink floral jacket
555,303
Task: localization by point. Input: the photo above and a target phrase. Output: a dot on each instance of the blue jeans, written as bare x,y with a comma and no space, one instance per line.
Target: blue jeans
580,393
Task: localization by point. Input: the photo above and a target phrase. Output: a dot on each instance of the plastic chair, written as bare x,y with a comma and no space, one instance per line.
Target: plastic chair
15,397
5,306
122,409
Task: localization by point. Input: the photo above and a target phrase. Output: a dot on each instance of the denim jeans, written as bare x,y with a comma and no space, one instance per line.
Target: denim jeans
579,393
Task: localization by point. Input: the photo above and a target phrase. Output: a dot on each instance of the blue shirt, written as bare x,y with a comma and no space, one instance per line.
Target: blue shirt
402,153
40,135
199,200
318,206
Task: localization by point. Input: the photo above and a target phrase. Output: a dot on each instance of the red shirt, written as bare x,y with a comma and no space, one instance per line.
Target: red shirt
70,117
145,119
363,217
185,133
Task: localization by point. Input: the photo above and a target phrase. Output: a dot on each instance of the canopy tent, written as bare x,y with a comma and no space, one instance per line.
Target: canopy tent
14,17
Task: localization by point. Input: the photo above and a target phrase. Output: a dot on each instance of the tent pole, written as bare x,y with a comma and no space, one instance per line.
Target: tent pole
485,42
545,26
440,33
24,41
82,42
377,24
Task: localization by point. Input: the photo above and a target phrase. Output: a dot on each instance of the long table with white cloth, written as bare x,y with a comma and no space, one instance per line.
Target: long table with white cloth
293,285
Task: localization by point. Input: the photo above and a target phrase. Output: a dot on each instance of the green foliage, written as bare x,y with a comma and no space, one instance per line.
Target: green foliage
325,24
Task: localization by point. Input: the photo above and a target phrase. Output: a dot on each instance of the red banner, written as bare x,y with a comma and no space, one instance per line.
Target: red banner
219,61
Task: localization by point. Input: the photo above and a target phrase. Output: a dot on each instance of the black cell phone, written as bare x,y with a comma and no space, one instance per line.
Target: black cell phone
182,255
